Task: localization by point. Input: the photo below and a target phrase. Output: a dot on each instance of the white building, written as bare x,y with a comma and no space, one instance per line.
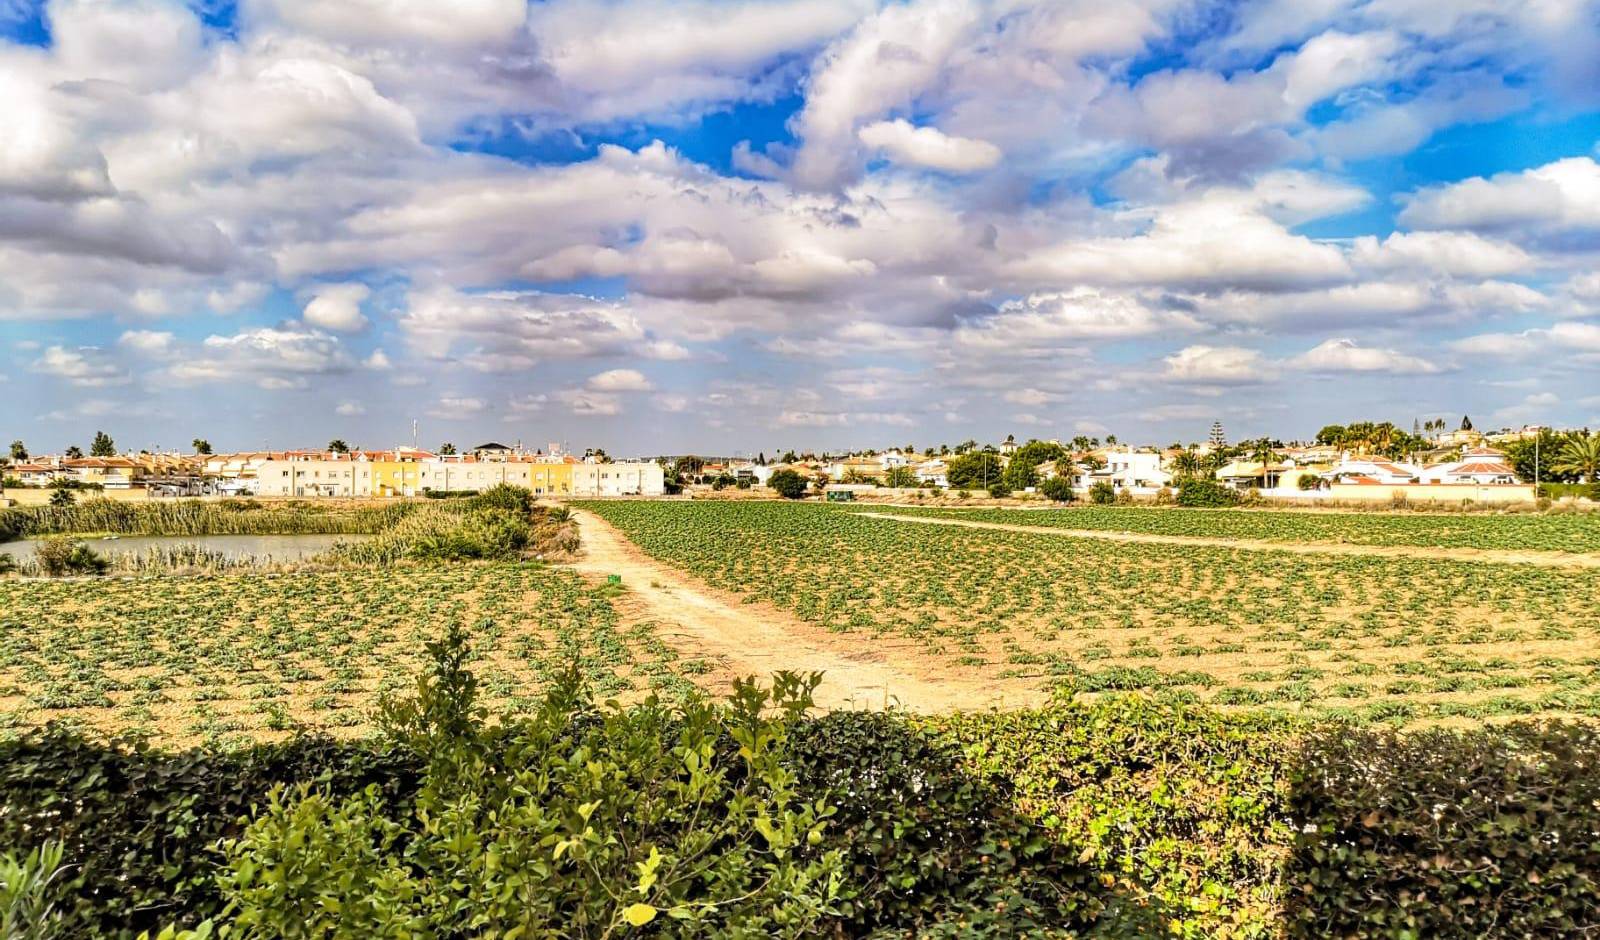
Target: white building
1481,465
632,478
1129,469
933,472
1374,470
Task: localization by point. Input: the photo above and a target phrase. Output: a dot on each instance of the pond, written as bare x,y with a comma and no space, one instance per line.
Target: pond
234,547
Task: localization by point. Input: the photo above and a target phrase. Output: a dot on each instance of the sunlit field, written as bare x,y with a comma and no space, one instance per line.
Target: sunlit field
1370,638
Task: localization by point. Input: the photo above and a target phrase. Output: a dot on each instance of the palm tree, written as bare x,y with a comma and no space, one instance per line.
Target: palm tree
1263,451
1580,456
1186,465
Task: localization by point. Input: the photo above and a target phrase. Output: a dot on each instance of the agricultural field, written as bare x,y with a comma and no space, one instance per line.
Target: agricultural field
228,657
1394,639
1566,532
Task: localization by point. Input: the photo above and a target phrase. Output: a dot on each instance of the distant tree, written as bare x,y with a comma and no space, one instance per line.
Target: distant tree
74,452
201,446
689,465
19,452
1466,423
62,497
1206,493
1542,451
447,449
1102,493
102,446
1580,457
1020,474
1187,464
338,446
1057,489
977,470
788,484
1039,452
761,459
1111,440
900,477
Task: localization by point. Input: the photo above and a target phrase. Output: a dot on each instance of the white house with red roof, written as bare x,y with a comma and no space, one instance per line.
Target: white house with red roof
1374,470
1480,465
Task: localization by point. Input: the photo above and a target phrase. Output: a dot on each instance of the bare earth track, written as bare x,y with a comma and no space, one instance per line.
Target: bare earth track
758,639
1541,558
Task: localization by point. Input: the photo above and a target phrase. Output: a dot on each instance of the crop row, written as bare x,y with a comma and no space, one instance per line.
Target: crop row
1568,532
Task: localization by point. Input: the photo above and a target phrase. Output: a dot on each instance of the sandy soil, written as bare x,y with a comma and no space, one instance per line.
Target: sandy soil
1546,559
859,671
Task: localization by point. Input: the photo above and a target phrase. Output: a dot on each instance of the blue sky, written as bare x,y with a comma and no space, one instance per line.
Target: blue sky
739,226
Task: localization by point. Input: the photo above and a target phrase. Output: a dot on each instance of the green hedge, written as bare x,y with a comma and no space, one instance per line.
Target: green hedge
1117,818
140,826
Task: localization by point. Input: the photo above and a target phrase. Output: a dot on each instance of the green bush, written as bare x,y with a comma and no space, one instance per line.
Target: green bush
140,826
62,557
576,821
1485,833
1057,489
1182,809
30,884
1206,493
787,483
929,848
999,491
1102,493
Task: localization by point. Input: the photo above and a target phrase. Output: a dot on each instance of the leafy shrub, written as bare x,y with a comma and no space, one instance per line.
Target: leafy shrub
59,558
1057,489
1206,493
929,848
139,825
29,886
576,821
1182,808
1102,493
1309,481
999,491
788,484
7,563
1484,833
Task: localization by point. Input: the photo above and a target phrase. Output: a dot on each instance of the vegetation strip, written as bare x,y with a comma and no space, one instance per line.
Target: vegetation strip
1576,531
1552,559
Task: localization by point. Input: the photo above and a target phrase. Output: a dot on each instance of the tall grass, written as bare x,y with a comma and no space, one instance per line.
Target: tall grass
186,517
443,532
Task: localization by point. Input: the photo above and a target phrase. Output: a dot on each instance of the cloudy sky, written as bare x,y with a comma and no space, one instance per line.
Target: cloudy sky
669,225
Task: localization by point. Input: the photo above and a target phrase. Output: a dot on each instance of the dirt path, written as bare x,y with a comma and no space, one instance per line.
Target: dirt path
1543,559
859,671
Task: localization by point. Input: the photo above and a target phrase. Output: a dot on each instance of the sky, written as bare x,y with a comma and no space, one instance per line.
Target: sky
664,226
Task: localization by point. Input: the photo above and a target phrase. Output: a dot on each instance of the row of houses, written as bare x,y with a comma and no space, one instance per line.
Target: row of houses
120,472
1296,472
396,472
409,472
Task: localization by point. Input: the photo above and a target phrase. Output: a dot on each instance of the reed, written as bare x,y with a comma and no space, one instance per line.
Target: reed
186,517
